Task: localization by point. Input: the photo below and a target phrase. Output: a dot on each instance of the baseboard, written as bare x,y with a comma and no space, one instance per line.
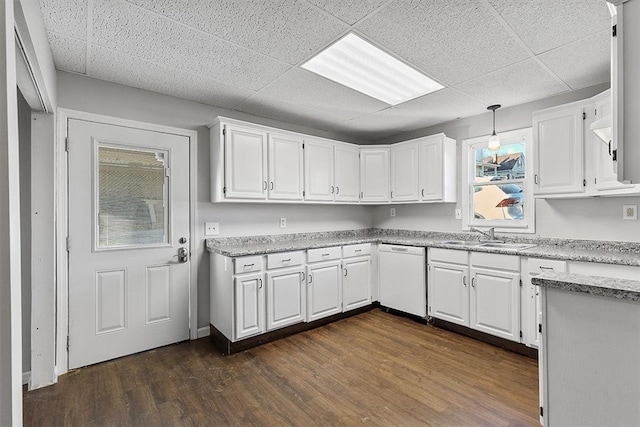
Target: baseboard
203,332
26,376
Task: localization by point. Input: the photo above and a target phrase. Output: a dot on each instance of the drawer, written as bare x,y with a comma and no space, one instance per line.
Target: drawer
285,259
496,261
247,264
356,250
452,256
323,254
538,266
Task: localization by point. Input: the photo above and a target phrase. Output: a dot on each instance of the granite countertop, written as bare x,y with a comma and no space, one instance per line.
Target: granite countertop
623,253
595,285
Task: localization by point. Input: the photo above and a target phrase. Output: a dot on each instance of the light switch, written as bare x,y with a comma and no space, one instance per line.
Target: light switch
458,213
211,228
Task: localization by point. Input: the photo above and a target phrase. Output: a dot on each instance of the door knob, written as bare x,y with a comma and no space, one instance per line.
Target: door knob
183,256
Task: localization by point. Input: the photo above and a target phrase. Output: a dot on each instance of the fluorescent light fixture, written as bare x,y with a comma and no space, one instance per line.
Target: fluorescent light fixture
357,64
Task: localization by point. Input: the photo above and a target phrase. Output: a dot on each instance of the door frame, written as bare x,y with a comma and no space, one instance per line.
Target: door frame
62,220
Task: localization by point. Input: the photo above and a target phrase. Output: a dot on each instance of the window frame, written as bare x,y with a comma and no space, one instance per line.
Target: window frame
469,148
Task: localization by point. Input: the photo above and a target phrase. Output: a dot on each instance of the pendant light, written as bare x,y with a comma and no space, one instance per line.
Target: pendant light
494,140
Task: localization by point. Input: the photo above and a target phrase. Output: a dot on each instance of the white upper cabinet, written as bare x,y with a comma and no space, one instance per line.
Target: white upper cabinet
318,170
558,137
404,172
285,167
374,174
347,173
245,163
437,168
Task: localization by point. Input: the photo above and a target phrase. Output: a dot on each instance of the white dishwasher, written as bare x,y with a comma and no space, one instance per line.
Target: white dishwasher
402,279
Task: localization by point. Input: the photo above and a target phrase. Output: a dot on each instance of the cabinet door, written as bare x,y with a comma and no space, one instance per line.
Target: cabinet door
448,296
404,172
374,175
431,169
245,168
286,298
318,170
531,311
346,173
495,302
285,167
558,137
356,288
606,170
324,290
249,305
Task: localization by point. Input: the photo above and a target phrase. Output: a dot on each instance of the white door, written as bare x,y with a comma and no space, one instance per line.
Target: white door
404,172
128,223
285,167
374,175
495,302
347,173
249,305
324,292
448,295
431,165
356,286
318,170
245,163
286,298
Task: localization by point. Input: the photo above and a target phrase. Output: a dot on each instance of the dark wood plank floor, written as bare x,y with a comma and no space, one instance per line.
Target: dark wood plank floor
374,369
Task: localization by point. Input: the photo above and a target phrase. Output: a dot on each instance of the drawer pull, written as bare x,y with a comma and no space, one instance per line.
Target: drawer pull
546,268
286,260
248,265
326,254
358,250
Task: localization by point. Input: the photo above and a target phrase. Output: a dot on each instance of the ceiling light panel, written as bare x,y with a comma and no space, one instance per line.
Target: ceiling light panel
357,64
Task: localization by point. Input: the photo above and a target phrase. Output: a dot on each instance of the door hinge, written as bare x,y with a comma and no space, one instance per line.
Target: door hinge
520,334
541,412
66,144
584,182
303,145
224,131
68,243
595,180
521,286
614,155
303,193
614,31
540,328
584,116
68,343
224,190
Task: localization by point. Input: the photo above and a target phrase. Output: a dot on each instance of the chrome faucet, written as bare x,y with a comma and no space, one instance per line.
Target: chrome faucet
489,234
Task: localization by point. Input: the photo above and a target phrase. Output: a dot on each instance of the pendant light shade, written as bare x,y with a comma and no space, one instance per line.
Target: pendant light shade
494,140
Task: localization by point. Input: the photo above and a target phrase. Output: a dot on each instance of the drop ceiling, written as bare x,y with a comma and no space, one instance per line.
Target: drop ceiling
246,55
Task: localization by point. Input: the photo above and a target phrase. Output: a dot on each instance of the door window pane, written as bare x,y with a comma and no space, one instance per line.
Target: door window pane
132,198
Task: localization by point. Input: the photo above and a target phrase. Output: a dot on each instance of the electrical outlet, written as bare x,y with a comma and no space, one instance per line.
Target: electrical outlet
392,212
211,228
458,213
283,222
630,212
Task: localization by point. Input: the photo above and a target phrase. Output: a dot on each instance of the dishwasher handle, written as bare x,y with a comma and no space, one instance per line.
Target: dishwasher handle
399,249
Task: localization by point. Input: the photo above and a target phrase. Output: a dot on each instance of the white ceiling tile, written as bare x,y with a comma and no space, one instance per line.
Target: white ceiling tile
547,24
116,67
348,11
126,28
442,106
289,30
67,17
69,54
516,84
583,63
305,89
452,41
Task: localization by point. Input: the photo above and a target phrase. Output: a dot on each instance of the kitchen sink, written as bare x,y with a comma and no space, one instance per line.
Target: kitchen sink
461,242
507,246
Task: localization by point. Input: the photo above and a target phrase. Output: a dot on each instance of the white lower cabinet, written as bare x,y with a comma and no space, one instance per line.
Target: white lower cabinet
249,305
286,295
324,289
357,283
478,290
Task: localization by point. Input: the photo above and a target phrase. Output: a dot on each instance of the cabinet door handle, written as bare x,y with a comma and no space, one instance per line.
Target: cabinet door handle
472,282
535,179
310,279
392,194
260,287
332,189
345,272
337,190
464,280
264,185
271,185
302,275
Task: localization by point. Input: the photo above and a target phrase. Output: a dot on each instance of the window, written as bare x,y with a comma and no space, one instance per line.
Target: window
498,185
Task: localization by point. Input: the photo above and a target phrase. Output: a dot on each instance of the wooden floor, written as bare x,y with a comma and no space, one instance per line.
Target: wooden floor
373,369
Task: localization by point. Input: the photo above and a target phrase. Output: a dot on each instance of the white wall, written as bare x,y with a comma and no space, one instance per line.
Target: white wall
95,96
595,218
